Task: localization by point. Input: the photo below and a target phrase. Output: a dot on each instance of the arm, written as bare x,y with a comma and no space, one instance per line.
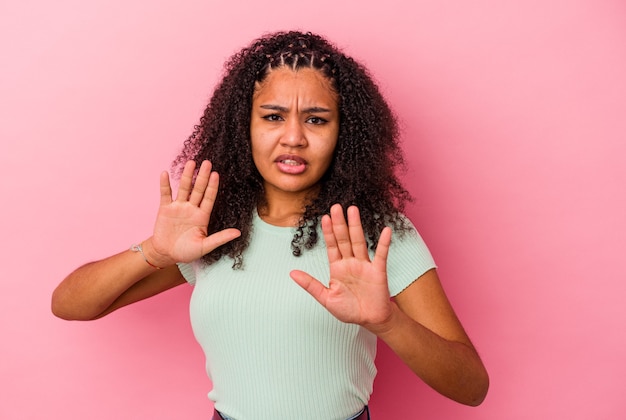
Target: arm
425,333
98,288
420,326
180,235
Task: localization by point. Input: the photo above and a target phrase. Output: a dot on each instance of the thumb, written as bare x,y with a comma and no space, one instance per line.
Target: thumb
313,286
218,239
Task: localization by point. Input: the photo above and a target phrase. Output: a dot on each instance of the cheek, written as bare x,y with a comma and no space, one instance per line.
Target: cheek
257,144
256,137
256,153
328,153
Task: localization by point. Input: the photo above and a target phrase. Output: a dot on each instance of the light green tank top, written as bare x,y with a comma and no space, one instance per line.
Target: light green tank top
271,350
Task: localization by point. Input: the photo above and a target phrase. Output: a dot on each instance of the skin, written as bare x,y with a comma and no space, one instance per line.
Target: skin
419,325
294,114
180,235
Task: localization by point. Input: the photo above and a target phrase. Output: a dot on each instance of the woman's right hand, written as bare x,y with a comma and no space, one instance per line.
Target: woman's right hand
180,231
180,235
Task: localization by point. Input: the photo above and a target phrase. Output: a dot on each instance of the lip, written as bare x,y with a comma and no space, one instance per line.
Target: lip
291,164
294,158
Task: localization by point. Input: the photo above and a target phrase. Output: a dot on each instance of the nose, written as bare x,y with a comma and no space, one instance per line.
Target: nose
293,136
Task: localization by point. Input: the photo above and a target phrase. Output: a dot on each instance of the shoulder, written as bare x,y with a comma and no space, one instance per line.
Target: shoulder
409,257
189,271
405,236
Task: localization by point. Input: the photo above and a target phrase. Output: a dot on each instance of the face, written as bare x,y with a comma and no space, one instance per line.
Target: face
293,130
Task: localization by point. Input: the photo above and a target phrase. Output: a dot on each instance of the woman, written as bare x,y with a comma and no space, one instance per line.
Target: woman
306,151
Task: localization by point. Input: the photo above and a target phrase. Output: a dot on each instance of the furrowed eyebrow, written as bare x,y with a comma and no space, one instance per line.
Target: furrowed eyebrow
274,108
316,109
313,109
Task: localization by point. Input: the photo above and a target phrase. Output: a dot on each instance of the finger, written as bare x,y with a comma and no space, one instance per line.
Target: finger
166,189
186,180
341,232
329,237
311,285
202,180
210,193
357,237
382,250
218,239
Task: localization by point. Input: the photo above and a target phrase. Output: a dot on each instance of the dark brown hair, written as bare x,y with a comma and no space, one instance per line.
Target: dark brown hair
366,159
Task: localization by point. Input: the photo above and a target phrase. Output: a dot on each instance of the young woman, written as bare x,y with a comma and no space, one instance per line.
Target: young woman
298,250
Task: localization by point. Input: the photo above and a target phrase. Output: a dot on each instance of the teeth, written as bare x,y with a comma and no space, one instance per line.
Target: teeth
290,162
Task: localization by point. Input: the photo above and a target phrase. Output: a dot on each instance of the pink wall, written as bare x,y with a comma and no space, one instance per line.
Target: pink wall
515,127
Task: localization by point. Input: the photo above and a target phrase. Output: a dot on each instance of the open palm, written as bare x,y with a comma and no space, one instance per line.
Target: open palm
357,291
180,231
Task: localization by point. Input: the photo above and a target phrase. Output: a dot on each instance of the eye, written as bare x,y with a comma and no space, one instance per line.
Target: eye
316,120
272,117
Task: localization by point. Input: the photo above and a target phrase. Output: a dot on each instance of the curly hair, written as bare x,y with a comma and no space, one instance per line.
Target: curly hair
366,159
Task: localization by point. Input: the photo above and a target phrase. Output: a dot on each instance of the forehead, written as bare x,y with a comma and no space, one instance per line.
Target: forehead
283,83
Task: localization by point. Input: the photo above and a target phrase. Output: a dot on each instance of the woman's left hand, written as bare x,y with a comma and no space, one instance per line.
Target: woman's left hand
357,292
419,325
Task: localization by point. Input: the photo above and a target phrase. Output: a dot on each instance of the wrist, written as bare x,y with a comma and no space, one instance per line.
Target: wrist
387,325
150,255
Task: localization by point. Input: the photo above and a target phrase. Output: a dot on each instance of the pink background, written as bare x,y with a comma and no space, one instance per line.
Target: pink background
514,126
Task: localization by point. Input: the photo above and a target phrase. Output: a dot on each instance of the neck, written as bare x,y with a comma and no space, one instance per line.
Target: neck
282,209
281,212
282,218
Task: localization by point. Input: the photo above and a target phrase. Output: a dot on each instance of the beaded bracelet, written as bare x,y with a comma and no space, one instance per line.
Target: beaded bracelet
139,248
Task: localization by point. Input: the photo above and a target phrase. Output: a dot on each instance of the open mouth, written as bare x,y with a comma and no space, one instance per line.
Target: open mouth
291,164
